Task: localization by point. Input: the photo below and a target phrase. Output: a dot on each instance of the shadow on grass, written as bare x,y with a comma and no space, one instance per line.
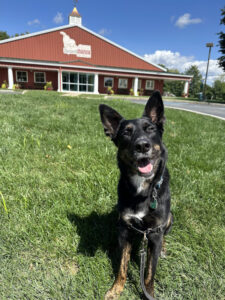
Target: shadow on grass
98,231
101,231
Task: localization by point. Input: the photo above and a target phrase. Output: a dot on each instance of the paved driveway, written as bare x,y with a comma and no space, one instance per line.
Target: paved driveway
214,110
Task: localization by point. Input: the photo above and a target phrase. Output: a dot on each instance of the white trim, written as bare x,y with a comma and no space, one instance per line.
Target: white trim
28,68
59,80
25,36
17,76
44,77
136,86
96,84
10,78
161,74
106,78
106,73
86,29
186,87
119,83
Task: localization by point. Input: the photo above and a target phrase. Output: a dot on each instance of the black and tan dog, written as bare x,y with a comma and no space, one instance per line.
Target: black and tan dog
143,189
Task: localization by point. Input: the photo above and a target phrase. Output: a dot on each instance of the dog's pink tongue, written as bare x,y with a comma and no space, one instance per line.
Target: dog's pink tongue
146,169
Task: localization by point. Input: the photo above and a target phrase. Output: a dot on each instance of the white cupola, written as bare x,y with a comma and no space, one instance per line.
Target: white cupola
75,18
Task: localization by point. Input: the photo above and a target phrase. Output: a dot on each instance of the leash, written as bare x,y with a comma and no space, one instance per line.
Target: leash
142,252
142,267
153,205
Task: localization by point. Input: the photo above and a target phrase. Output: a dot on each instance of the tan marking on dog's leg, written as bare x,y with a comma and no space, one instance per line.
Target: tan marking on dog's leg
149,282
169,221
120,280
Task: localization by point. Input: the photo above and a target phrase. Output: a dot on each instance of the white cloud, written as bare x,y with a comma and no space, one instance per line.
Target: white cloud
58,19
186,20
104,32
34,22
174,60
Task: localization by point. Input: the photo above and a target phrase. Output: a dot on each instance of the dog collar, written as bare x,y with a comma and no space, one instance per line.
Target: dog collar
154,203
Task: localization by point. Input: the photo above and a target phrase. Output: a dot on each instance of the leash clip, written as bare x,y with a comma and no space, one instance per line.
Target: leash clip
145,237
144,243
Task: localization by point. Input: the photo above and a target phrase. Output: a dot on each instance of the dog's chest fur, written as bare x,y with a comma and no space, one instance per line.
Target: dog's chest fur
141,186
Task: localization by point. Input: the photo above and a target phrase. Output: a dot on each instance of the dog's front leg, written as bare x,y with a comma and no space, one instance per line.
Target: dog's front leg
120,280
154,249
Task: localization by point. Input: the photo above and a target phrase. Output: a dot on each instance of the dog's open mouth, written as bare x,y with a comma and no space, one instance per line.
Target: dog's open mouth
145,166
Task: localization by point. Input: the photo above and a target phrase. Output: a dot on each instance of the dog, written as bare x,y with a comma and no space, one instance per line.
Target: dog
143,188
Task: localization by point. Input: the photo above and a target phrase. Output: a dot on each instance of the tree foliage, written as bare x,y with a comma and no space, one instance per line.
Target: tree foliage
4,35
222,41
174,87
219,88
196,83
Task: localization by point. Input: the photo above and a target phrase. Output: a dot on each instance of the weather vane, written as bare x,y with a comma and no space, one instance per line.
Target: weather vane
75,2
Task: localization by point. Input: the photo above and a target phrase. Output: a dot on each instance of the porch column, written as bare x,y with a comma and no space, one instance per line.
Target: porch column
96,84
59,81
186,88
135,86
10,78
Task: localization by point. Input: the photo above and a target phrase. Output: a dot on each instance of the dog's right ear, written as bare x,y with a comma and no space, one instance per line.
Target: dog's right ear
110,120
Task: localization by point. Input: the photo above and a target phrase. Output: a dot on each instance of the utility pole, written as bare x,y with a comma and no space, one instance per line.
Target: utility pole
209,45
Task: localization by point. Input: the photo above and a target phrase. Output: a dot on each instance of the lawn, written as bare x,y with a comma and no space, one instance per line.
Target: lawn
58,180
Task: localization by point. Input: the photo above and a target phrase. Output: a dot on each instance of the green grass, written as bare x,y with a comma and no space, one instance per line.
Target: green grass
57,216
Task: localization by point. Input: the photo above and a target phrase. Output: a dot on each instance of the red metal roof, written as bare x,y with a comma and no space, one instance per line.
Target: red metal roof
48,46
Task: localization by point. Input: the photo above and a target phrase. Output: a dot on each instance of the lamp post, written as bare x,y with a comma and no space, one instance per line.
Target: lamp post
209,45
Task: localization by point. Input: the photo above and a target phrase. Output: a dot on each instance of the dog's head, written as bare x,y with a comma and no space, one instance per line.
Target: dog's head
139,141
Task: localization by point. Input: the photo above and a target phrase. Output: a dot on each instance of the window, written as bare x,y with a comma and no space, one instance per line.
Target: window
122,83
139,84
108,81
77,82
21,76
39,77
149,84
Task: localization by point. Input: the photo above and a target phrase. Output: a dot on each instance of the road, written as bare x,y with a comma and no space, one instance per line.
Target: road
211,109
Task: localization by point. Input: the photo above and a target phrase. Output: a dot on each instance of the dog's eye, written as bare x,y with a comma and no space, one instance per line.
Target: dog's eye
148,128
128,131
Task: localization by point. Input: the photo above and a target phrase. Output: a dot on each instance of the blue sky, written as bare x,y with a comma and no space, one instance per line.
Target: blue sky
173,32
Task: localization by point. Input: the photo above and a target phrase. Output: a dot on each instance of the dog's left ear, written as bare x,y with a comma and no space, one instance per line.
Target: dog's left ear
110,119
154,108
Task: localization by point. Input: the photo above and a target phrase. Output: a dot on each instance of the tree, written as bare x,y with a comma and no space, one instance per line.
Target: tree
222,41
19,34
219,88
4,35
196,83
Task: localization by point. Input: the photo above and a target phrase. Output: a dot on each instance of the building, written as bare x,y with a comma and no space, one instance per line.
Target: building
76,59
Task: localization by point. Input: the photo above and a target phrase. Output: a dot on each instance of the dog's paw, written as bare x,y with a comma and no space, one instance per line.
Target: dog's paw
112,294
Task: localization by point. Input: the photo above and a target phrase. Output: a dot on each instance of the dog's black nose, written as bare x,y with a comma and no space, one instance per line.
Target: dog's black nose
142,146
